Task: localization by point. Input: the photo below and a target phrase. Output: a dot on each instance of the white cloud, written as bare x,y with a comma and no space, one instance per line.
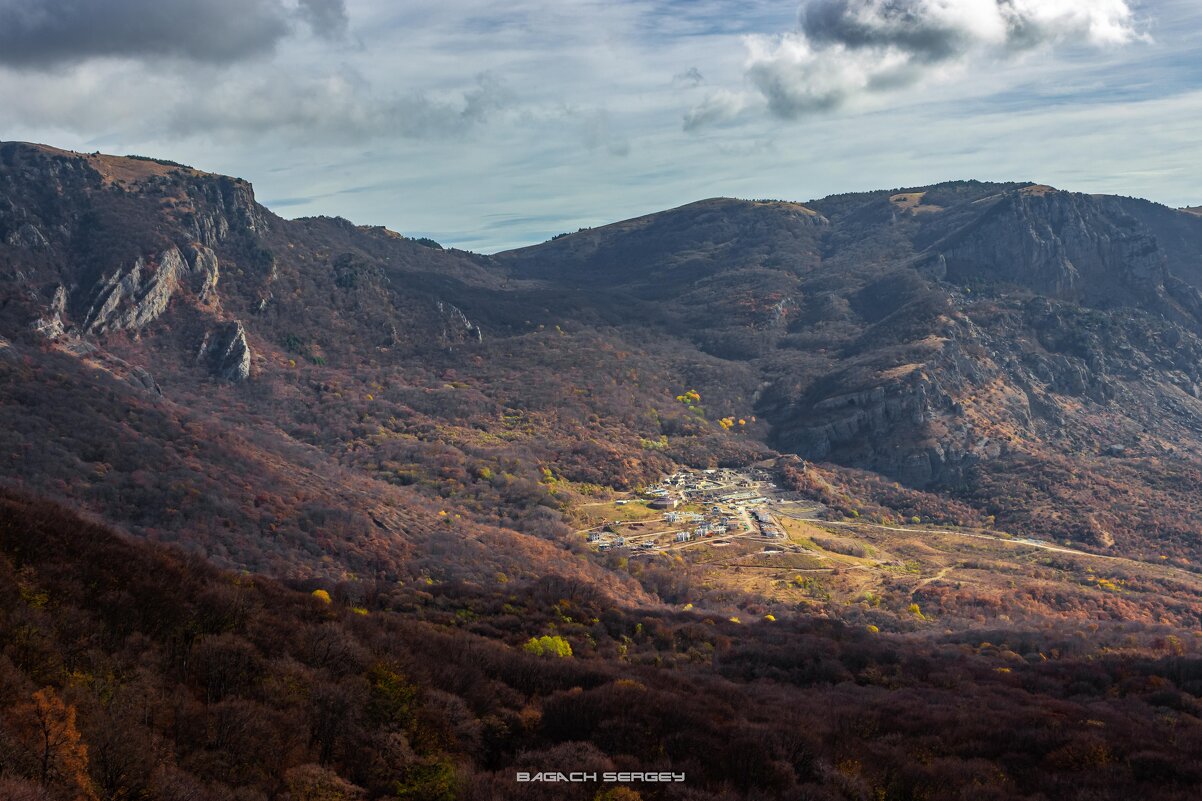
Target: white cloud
719,106
844,51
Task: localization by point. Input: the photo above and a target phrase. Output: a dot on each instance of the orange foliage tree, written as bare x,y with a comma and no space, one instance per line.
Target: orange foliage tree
45,727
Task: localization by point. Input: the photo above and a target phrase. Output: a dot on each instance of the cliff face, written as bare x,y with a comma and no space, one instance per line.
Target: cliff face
110,237
226,353
1058,244
133,299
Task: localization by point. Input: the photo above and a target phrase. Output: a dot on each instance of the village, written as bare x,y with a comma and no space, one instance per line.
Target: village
717,507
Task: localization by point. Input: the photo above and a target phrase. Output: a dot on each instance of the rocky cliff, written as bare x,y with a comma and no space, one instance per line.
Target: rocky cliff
110,236
226,353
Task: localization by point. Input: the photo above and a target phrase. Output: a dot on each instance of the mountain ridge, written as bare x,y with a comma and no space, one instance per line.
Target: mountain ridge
958,339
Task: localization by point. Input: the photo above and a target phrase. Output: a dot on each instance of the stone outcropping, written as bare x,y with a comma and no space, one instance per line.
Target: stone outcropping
868,422
131,300
51,325
205,274
221,205
457,328
28,236
226,352
1060,244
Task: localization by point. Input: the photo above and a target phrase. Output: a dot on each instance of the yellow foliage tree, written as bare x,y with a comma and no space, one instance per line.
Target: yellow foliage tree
690,398
548,646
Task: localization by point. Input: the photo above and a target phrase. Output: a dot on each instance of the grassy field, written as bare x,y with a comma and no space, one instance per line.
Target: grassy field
919,576
598,513
915,575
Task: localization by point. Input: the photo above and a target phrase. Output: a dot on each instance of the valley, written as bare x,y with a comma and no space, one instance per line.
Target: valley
736,533
781,494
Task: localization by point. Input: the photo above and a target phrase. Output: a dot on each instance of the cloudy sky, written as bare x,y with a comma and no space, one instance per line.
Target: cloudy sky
491,125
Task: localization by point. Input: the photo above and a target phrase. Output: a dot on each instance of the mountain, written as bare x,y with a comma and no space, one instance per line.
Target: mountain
298,508
1003,350
289,396
1030,352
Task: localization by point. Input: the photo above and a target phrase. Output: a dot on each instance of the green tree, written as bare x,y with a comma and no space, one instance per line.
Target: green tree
548,645
393,699
430,780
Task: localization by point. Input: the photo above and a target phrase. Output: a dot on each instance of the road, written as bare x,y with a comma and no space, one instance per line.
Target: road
1044,546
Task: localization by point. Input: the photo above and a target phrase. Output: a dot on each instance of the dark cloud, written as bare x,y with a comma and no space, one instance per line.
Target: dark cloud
903,24
326,18
938,30
48,33
845,49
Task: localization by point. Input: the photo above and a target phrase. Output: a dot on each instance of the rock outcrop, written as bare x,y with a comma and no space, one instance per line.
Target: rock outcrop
226,353
205,274
457,328
132,299
220,205
889,427
28,236
51,326
1060,244
141,378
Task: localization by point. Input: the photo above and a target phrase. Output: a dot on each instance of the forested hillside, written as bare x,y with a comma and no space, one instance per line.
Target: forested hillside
129,671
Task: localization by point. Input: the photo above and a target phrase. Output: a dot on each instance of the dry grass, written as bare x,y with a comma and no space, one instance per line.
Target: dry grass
806,210
594,514
120,169
901,371
912,202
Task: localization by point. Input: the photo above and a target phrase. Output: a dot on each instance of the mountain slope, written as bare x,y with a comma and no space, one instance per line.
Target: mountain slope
127,671
366,403
303,396
1032,352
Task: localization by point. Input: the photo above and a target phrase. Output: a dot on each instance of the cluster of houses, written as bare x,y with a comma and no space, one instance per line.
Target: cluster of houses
616,542
683,517
724,495
705,487
704,530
